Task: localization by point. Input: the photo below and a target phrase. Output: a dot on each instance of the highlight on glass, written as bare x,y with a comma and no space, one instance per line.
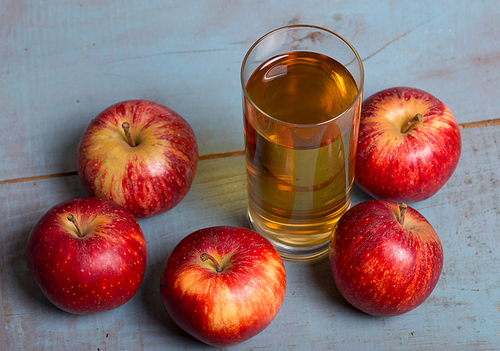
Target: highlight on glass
302,93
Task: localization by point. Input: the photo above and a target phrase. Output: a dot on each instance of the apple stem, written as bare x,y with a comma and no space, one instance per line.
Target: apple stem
205,256
418,118
402,212
73,220
126,129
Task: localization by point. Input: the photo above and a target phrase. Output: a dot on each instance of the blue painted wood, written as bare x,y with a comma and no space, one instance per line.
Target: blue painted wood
61,63
461,314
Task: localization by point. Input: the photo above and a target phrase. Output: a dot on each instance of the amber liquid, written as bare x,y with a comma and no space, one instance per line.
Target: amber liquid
300,173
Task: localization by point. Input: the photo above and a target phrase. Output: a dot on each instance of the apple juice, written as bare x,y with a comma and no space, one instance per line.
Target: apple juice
298,142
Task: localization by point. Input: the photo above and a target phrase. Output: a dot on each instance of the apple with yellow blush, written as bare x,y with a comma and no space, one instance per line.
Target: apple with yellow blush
223,285
408,146
140,154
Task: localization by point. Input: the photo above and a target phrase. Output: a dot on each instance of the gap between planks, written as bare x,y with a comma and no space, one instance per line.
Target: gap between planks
73,173
486,123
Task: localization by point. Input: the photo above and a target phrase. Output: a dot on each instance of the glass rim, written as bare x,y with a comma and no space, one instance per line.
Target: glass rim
300,125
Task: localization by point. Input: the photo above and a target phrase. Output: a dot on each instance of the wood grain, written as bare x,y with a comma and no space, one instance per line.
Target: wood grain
461,314
61,63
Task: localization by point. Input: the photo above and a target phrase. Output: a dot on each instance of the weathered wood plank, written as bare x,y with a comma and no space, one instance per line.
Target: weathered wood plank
461,314
63,63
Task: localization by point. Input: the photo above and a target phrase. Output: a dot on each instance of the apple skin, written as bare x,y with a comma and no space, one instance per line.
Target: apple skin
149,178
223,308
381,267
95,273
405,166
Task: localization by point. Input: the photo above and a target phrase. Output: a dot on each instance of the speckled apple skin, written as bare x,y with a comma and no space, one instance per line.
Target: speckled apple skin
381,267
410,166
147,179
223,308
95,273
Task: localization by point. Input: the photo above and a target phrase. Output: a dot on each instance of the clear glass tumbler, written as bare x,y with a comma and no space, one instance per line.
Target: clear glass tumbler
302,93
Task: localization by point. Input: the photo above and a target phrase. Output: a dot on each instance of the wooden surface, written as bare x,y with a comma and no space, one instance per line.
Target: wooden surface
62,62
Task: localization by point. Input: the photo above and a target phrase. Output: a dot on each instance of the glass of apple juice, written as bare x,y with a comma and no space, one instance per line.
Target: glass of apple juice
302,93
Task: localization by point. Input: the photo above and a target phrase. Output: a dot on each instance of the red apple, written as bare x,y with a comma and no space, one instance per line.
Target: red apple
385,258
408,147
223,285
87,255
140,154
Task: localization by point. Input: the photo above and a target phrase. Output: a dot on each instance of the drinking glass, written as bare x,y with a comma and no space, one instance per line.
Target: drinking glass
302,93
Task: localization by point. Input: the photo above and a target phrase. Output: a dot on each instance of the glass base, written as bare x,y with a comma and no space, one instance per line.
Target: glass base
295,253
